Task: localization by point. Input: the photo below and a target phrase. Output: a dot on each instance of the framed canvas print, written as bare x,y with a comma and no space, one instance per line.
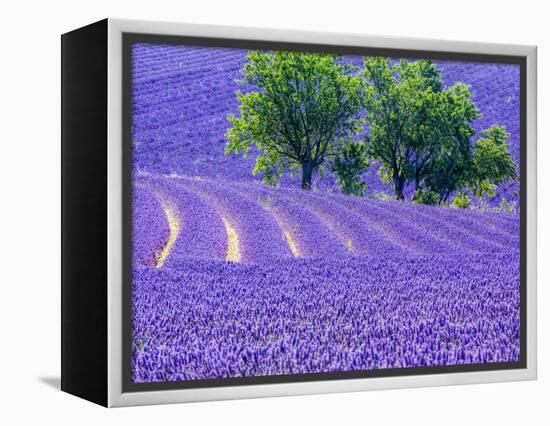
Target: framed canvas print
251,212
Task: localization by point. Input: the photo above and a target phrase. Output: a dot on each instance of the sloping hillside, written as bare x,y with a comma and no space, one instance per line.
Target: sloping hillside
234,279
182,96
271,223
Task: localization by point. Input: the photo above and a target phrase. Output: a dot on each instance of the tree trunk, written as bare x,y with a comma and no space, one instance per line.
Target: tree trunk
399,185
445,197
307,172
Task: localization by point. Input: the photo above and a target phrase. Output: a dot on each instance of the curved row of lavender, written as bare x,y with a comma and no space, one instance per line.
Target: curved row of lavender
148,238
182,96
234,278
370,284
320,225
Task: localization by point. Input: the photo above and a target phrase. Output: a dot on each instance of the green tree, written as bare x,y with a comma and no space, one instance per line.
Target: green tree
348,166
387,122
418,130
441,140
491,162
393,105
303,113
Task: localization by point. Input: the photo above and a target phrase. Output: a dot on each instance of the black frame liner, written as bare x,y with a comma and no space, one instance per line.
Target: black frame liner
131,38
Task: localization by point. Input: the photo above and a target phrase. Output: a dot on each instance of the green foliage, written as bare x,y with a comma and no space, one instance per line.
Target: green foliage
385,173
388,119
422,196
302,115
348,166
307,107
420,131
461,201
491,163
444,156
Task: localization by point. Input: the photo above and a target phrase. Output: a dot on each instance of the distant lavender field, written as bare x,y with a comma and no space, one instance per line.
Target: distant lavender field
234,278
182,96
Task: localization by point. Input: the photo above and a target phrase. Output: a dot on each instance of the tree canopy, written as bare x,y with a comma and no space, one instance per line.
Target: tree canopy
491,162
303,113
417,128
422,133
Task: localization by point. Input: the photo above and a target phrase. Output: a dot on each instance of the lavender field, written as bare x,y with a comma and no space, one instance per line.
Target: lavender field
233,278
182,96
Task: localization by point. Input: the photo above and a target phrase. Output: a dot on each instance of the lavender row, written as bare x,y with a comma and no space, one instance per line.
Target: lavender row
312,235
495,229
451,228
202,233
149,226
260,238
427,229
215,319
271,223
404,232
357,236
505,222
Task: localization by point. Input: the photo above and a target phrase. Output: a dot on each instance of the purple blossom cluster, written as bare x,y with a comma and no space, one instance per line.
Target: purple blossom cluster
212,319
183,94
